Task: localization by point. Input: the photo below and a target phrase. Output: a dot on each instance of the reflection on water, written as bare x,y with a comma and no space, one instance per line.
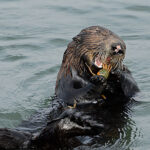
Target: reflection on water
125,136
120,131
33,37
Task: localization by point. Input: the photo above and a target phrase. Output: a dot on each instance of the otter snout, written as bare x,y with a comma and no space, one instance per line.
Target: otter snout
117,49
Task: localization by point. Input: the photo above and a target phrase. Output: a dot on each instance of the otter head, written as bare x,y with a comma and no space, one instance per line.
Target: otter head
97,46
91,48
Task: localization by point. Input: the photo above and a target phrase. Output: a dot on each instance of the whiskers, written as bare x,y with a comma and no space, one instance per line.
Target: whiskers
117,63
103,56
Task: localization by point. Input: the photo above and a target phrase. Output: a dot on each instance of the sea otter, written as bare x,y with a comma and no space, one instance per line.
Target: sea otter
92,68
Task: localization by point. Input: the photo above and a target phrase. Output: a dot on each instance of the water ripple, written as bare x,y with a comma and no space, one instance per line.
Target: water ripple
59,42
136,37
14,37
21,46
70,9
40,75
139,8
13,58
48,71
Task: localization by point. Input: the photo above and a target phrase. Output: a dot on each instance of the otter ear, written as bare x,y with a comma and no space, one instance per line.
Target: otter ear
77,39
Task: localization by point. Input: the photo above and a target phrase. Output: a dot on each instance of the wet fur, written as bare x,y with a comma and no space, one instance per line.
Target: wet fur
79,54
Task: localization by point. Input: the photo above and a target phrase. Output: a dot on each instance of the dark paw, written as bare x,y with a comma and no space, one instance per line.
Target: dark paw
118,73
98,79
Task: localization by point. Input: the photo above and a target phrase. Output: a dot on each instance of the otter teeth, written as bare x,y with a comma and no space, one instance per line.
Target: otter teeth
98,63
100,66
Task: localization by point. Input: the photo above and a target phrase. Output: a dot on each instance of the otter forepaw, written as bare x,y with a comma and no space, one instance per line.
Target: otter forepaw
118,73
98,79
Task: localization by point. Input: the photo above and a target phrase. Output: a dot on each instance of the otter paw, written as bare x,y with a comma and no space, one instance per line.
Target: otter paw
118,73
98,79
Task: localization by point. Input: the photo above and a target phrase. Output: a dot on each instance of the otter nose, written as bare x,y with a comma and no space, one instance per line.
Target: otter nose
117,49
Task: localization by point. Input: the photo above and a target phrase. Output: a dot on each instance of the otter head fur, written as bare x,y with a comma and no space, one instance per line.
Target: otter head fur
92,47
96,46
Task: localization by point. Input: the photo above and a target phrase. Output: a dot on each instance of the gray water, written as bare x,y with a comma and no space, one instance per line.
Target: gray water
35,33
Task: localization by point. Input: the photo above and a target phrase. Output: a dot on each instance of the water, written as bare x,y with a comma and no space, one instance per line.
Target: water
33,37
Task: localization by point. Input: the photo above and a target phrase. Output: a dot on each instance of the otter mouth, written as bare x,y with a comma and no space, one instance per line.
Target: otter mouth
98,63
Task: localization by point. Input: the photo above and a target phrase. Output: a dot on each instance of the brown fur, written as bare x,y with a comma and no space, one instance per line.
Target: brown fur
81,51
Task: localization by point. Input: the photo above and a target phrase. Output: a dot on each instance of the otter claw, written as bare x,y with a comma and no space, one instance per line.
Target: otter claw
74,105
103,96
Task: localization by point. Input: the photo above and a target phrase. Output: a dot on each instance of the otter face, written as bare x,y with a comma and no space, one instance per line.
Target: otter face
102,47
89,50
116,49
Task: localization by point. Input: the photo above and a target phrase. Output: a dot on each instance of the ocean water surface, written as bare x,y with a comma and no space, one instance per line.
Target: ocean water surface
33,37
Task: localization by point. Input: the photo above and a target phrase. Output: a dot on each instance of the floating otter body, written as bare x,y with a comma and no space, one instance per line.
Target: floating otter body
84,59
